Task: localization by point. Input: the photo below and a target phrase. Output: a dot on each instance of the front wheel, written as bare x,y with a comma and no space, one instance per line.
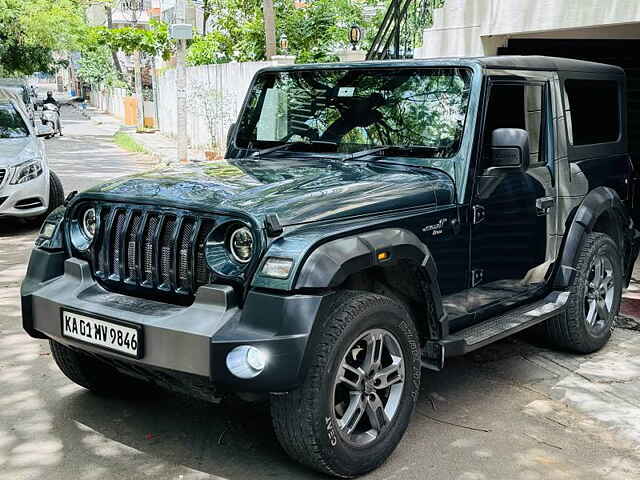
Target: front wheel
360,389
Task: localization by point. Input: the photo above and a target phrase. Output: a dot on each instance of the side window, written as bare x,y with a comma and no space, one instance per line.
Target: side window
517,106
593,111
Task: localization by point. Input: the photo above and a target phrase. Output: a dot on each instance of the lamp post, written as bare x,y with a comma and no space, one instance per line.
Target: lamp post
284,44
355,35
134,9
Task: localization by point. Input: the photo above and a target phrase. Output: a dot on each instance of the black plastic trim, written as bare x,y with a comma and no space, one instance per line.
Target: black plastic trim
595,203
43,266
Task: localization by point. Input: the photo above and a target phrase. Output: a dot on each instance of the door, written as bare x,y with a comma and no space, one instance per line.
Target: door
512,212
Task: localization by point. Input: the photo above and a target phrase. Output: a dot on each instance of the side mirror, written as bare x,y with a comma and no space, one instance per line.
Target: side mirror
509,149
44,130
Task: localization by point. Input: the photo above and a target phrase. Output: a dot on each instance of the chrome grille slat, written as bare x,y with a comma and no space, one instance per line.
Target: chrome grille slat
3,173
131,274
166,252
118,227
151,249
149,238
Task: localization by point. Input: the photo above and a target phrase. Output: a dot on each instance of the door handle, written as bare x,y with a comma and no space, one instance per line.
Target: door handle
544,204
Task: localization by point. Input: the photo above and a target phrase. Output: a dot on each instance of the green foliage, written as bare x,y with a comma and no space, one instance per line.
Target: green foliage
126,142
154,41
96,67
237,30
30,31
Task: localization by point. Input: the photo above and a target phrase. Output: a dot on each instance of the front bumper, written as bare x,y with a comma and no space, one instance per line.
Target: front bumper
28,199
193,340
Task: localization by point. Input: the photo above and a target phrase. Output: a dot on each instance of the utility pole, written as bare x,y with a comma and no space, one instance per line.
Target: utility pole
137,73
135,8
181,32
269,28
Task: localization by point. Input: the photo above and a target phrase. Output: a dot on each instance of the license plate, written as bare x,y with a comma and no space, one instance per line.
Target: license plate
102,333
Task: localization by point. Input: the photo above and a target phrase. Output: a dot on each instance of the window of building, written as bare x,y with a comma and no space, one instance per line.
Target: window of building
594,115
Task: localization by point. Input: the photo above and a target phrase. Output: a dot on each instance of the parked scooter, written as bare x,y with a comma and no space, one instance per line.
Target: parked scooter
51,116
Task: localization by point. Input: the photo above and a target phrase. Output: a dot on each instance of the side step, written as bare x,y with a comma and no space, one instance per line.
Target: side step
493,329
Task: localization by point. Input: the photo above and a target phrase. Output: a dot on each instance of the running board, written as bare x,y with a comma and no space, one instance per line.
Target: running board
493,329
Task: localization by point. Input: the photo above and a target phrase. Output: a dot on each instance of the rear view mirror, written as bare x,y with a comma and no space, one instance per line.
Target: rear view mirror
509,149
44,131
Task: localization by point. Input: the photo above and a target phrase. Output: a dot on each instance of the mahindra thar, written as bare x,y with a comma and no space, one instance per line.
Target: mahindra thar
370,219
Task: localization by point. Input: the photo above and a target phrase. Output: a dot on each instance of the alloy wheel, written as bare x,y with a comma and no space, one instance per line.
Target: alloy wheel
368,386
599,294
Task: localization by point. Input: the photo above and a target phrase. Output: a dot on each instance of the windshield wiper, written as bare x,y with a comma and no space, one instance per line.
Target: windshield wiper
366,153
401,150
288,145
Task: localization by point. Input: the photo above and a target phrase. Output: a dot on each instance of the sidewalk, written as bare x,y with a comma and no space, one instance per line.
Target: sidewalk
159,146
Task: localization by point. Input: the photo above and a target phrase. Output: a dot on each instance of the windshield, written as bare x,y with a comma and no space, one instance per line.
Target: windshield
359,109
11,123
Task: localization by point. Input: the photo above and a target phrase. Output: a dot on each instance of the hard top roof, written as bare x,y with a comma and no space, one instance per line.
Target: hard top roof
507,62
538,62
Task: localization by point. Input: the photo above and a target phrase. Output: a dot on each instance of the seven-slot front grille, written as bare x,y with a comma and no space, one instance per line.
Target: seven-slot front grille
155,250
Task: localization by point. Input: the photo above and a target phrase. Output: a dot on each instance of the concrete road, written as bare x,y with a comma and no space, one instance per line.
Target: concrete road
513,410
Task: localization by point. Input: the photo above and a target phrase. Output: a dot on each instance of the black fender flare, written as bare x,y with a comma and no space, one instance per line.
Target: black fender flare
331,263
595,203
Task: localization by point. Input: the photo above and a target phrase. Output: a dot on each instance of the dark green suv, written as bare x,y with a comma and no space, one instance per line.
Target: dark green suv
370,220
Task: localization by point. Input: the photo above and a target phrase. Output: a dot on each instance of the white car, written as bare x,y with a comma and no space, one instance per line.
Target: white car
28,189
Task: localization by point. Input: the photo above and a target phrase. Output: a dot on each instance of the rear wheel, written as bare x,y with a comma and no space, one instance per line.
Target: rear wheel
94,375
360,389
595,298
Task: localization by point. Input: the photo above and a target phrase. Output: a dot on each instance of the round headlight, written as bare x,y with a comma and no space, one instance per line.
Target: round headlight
89,223
241,244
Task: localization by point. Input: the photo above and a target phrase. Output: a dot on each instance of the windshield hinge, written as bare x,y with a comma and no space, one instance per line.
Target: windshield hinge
477,275
478,214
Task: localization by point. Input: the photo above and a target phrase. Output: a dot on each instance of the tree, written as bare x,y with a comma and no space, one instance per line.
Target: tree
238,30
269,28
31,31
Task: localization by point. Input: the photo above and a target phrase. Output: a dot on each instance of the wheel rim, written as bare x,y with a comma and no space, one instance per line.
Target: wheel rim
599,294
368,386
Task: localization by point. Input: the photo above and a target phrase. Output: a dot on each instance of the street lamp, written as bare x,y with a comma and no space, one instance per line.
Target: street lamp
355,35
284,43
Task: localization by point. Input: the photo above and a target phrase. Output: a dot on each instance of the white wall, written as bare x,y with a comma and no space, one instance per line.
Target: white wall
220,87
109,100
478,27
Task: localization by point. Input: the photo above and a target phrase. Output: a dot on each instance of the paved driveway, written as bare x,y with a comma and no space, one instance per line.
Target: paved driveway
513,410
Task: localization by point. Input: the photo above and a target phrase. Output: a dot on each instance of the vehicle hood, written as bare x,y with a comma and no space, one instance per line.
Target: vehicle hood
17,150
297,190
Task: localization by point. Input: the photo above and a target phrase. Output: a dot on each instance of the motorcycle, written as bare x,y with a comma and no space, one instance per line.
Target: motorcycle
51,116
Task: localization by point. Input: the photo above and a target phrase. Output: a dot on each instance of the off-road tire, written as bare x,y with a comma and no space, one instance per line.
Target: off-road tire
303,419
569,331
94,375
56,198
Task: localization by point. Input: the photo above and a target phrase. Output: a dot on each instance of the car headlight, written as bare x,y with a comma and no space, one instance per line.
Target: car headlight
88,224
27,171
83,227
241,244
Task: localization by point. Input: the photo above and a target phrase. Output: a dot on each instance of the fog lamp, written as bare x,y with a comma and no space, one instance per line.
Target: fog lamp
246,361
